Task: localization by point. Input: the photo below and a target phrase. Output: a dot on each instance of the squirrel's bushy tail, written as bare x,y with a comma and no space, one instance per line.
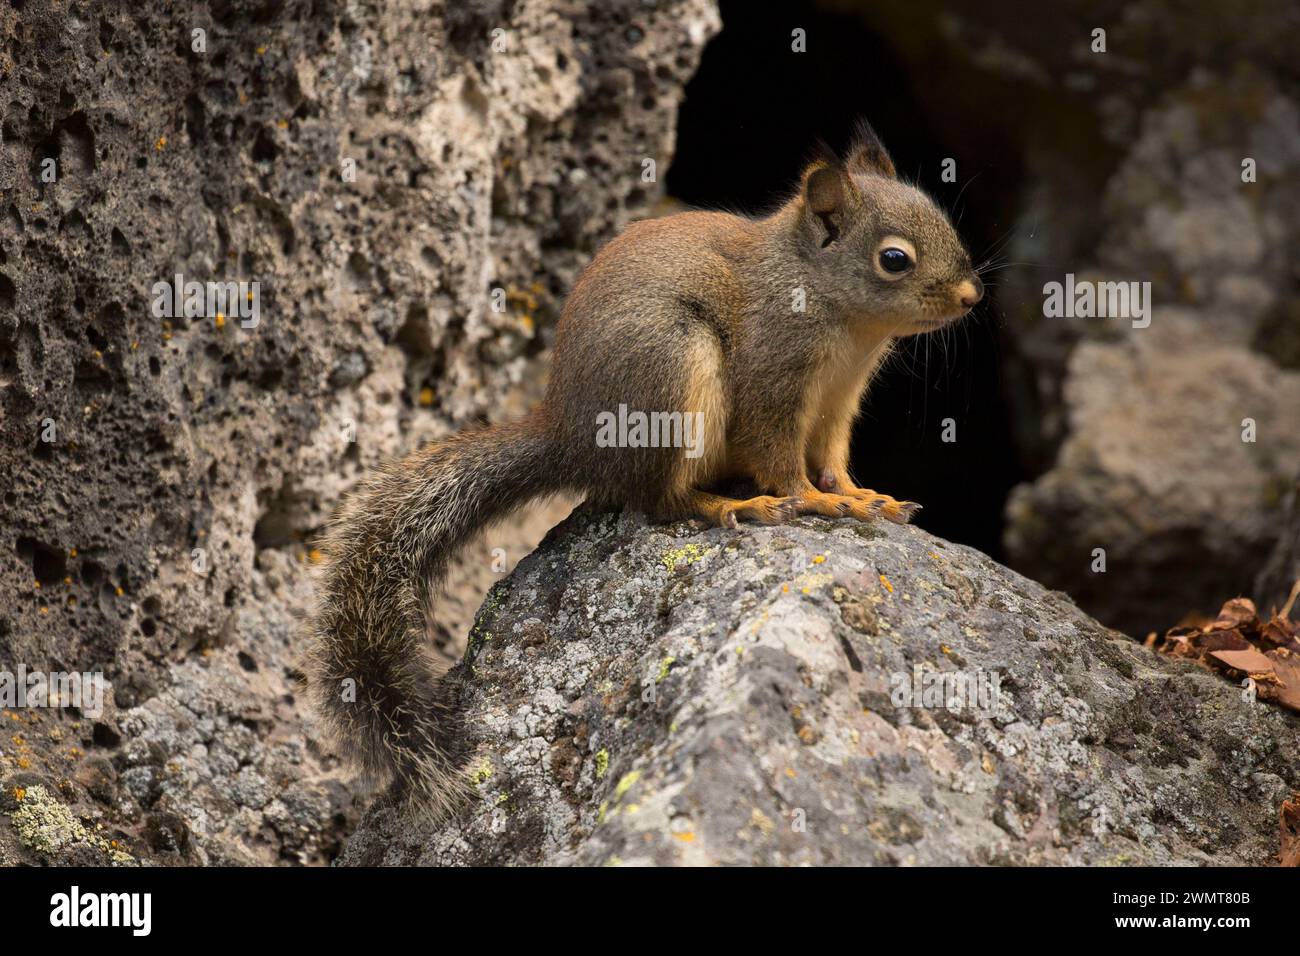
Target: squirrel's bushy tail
371,671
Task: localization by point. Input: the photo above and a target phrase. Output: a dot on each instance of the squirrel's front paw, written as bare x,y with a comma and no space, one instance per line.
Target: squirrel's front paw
904,512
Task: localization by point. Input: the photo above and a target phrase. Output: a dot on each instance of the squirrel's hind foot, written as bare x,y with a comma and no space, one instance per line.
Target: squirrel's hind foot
729,512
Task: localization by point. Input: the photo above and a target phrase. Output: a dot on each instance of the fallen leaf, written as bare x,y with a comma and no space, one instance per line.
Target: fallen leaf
1238,643
1287,690
1290,826
1249,660
1236,613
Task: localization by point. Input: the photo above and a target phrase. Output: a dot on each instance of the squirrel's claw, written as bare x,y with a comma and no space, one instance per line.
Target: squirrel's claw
787,509
904,513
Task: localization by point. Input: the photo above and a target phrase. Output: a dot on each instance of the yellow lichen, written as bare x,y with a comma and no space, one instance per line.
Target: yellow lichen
626,782
685,555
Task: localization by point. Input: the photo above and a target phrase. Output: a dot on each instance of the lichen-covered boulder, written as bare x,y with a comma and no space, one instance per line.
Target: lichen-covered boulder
830,693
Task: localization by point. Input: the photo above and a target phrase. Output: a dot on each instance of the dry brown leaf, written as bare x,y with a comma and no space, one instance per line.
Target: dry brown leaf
1249,660
1237,642
1290,826
1239,612
1280,632
1287,691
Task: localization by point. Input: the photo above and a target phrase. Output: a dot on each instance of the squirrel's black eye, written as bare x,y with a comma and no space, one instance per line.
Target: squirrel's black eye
894,260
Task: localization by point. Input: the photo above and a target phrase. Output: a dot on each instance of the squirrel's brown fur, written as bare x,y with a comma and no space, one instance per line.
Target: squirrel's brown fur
690,313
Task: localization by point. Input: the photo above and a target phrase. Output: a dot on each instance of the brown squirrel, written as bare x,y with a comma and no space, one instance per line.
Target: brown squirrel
771,328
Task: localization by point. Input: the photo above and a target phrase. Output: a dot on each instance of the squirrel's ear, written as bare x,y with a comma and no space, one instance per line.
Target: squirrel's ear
824,193
867,154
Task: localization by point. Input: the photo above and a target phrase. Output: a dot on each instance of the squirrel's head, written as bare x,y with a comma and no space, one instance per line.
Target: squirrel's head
881,247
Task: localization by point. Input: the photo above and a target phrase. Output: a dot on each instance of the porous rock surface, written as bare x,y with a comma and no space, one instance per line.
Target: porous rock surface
379,169
642,694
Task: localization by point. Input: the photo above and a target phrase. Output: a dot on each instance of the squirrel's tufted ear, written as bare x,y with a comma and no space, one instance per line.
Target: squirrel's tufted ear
867,154
824,193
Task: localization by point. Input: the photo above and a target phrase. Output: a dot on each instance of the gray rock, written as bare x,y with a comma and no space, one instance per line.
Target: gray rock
1157,473
169,522
670,695
1273,586
1149,463
348,370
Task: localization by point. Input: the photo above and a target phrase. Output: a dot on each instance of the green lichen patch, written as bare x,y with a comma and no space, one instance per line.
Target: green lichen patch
665,665
481,632
46,826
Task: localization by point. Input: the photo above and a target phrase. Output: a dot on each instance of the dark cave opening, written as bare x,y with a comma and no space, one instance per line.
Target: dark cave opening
749,121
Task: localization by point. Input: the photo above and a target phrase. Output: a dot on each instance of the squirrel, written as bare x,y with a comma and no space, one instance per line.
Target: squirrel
769,328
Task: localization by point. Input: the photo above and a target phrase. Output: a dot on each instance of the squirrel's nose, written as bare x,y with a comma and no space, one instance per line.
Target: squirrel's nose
970,292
